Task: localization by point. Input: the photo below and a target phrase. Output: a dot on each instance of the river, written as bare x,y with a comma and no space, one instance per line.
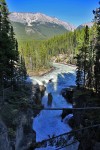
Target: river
48,123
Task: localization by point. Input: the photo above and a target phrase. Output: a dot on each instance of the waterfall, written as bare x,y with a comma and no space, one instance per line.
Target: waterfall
48,123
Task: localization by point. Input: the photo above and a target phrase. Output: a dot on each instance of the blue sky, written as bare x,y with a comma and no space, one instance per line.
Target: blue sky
73,11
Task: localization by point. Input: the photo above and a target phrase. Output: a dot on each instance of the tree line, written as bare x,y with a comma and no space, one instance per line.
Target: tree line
88,58
12,65
38,54
81,48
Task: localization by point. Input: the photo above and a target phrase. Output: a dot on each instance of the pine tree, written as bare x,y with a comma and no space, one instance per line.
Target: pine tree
97,51
22,73
9,54
4,41
0,46
0,20
78,71
12,53
85,54
83,59
90,73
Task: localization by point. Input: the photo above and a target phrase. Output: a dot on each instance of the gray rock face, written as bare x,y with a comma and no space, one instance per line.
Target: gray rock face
97,146
25,136
30,18
4,142
89,24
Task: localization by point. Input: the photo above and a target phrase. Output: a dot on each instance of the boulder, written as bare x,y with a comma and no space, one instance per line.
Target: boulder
42,90
25,135
71,122
65,112
4,141
50,99
67,93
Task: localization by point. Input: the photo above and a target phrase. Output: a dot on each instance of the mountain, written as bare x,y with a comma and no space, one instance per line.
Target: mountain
89,24
37,25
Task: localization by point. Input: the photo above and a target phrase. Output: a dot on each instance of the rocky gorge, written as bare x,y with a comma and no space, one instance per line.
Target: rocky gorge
22,126
16,118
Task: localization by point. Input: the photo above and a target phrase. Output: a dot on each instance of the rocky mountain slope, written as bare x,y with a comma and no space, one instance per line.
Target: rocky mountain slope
37,25
89,24
40,26
30,18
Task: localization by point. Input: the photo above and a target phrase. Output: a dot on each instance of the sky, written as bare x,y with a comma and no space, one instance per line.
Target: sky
74,11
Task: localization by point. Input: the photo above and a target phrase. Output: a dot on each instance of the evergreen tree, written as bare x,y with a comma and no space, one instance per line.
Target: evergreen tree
78,71
4,71
85,54
83,59
12,53
97,51
22,70
9,54
90,73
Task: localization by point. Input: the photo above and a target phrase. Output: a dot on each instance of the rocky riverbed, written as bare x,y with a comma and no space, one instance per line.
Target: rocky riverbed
19,110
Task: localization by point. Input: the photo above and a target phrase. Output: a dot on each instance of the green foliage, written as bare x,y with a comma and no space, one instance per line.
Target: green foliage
37,31
84,52
89,56
78,71
38,54
85,60
9,55
97,51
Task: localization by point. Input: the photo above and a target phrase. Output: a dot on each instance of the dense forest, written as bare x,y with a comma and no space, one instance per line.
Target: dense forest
88,58
39,54
24,102
12,65
79,47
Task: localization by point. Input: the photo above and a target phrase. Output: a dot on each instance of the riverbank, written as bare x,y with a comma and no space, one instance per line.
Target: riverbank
44,71
16,117
18,111
64,63
41,72
88,138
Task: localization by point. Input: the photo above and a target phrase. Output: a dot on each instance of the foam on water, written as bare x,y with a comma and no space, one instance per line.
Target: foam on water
48,122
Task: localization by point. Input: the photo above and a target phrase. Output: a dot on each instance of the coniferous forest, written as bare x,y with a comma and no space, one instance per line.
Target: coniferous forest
79,46
22,100
12,65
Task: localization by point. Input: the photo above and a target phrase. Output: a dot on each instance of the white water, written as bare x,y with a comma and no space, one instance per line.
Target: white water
48,122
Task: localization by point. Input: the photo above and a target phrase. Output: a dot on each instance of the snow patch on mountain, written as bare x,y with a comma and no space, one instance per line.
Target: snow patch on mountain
29,18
